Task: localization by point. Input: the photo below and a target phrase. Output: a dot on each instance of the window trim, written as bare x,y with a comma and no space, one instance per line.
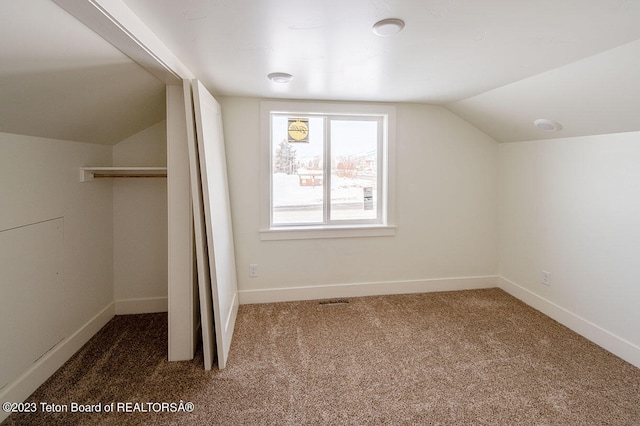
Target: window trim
386,228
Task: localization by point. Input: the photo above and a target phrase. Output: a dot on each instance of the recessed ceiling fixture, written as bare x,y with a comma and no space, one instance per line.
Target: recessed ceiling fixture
388,27
280,77
547,125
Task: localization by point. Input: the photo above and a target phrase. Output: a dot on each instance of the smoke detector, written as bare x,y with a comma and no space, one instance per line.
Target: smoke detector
547,125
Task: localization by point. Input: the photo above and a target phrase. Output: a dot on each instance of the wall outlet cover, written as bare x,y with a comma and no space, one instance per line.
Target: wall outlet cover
545,278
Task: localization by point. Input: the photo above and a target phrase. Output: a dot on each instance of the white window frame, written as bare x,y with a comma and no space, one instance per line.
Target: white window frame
386,226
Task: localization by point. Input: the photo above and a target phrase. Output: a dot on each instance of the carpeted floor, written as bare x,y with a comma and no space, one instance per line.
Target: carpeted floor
469,357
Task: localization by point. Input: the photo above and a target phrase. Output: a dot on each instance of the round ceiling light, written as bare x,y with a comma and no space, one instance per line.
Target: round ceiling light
388,27
547,125
280,77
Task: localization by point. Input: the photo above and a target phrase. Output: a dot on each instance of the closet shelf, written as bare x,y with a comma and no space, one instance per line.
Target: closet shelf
90,173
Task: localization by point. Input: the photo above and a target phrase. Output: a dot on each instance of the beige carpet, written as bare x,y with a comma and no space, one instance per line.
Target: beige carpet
470,357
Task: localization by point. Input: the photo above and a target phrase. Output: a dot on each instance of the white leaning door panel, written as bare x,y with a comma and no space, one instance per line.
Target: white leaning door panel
217,209
202,261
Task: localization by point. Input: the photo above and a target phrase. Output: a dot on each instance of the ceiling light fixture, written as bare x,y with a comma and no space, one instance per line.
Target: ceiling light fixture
547,125
388,27
280,77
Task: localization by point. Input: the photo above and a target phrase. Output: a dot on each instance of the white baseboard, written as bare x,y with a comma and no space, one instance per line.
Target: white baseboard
145,305
601,337
41,370
365,289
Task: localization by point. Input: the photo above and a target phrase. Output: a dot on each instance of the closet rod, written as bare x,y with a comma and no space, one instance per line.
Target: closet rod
87,174
96,176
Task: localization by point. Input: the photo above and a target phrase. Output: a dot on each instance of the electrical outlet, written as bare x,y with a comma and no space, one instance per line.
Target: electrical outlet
545,278
253,270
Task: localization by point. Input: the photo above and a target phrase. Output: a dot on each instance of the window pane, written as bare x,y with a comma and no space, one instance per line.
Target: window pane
297,171
354,169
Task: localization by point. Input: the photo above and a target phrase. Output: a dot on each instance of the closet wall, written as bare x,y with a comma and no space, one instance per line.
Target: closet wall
40,191
140,225
74,253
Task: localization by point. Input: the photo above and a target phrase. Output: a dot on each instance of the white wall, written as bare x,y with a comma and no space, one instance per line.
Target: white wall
446,209
140,225
572,207
40,181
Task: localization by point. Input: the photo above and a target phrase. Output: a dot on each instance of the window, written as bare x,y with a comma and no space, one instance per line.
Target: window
326,167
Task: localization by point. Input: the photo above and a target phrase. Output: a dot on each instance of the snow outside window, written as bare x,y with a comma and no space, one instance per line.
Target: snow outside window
326,169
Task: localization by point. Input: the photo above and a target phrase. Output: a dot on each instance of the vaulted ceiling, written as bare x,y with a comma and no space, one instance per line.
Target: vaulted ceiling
499,64
60,80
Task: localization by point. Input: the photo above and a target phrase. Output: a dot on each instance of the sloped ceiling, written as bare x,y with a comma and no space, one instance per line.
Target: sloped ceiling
58,79
596,95
499,64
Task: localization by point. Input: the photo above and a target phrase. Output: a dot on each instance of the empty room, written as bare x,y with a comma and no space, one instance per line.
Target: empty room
331,212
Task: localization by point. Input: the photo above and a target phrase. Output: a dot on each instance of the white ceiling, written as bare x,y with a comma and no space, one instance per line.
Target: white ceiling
500,64
58,79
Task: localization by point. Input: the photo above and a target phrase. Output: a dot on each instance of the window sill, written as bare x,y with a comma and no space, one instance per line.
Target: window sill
315,232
